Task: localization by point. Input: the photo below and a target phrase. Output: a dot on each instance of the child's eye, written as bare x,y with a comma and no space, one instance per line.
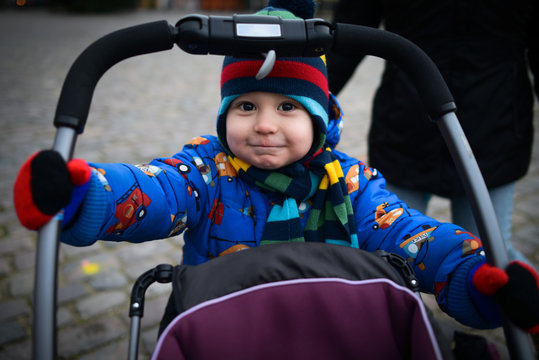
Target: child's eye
246,106
287,107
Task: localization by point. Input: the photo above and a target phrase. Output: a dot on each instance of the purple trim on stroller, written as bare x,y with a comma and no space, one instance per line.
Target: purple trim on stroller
327,318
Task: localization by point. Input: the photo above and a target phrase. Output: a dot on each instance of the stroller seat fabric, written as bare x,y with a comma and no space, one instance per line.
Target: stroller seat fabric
294,301
304,319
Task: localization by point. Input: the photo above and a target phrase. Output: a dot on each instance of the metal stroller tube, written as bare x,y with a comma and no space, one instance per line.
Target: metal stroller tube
162,274
45,281
71,115
519,342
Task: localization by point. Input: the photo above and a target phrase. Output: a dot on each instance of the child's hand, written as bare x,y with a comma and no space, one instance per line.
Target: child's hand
516,289
46,184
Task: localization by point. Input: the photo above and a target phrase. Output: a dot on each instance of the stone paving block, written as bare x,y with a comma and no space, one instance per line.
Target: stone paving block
7,214
158,290
88,266
13,308
528,233
25,260
16,231
21,284
527,185
17,351
136,252
79,251
71,291
108,280
11,331
134,270
3,230
86,337
117,350
63,317
525,240
5,268
440,209
518,220
534,165
528,207
13,243
100,303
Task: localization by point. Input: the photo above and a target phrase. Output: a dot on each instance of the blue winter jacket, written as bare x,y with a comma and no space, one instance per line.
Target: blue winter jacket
196,192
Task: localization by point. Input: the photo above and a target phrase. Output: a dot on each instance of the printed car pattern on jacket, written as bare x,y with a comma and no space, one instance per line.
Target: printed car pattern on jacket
197,192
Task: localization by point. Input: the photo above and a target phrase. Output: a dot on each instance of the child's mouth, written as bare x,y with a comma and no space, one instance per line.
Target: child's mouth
266,149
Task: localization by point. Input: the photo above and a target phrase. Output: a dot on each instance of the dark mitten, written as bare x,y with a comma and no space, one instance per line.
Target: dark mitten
46,184
516,289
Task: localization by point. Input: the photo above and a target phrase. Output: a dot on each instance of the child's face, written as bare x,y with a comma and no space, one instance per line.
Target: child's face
268,130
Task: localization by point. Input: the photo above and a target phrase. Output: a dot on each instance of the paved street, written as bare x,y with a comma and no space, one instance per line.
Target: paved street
143,108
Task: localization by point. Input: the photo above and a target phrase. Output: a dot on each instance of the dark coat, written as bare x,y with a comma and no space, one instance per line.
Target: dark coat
481,49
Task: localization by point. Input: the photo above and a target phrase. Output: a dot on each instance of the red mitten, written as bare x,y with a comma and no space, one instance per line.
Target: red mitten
516,289
45,185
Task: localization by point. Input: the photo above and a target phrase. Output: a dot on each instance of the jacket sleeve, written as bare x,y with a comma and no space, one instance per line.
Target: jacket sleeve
137,203
441,254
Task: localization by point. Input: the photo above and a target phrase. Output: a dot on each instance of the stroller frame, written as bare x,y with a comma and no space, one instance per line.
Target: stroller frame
198,34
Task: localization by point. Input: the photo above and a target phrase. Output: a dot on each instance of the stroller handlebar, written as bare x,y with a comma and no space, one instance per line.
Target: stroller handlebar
245,36
252,35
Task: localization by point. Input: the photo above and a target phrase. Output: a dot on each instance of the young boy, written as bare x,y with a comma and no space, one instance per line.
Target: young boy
272,175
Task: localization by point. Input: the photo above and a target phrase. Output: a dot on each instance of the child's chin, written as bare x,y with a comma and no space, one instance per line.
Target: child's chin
268,164
264,166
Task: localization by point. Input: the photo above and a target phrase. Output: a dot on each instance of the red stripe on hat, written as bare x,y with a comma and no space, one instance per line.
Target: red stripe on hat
282,68
247,68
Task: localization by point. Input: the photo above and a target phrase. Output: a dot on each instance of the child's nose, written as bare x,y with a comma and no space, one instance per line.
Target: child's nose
265,123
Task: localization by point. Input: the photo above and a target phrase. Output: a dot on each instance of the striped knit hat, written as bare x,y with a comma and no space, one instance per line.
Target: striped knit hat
303,79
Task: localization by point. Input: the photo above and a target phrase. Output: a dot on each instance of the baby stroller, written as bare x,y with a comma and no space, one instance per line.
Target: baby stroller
293,300
221,35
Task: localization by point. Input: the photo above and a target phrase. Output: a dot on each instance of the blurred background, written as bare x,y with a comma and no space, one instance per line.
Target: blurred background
92,6
144,107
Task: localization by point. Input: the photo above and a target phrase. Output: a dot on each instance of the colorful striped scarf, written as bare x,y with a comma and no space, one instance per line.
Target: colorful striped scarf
331,218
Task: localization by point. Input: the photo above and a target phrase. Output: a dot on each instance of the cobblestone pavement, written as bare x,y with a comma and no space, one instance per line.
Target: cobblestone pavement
143,108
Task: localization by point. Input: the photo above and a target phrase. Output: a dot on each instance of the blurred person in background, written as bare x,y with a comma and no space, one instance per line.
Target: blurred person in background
484,50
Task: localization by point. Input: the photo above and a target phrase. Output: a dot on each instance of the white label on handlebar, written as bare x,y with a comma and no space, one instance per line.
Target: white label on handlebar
258,30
